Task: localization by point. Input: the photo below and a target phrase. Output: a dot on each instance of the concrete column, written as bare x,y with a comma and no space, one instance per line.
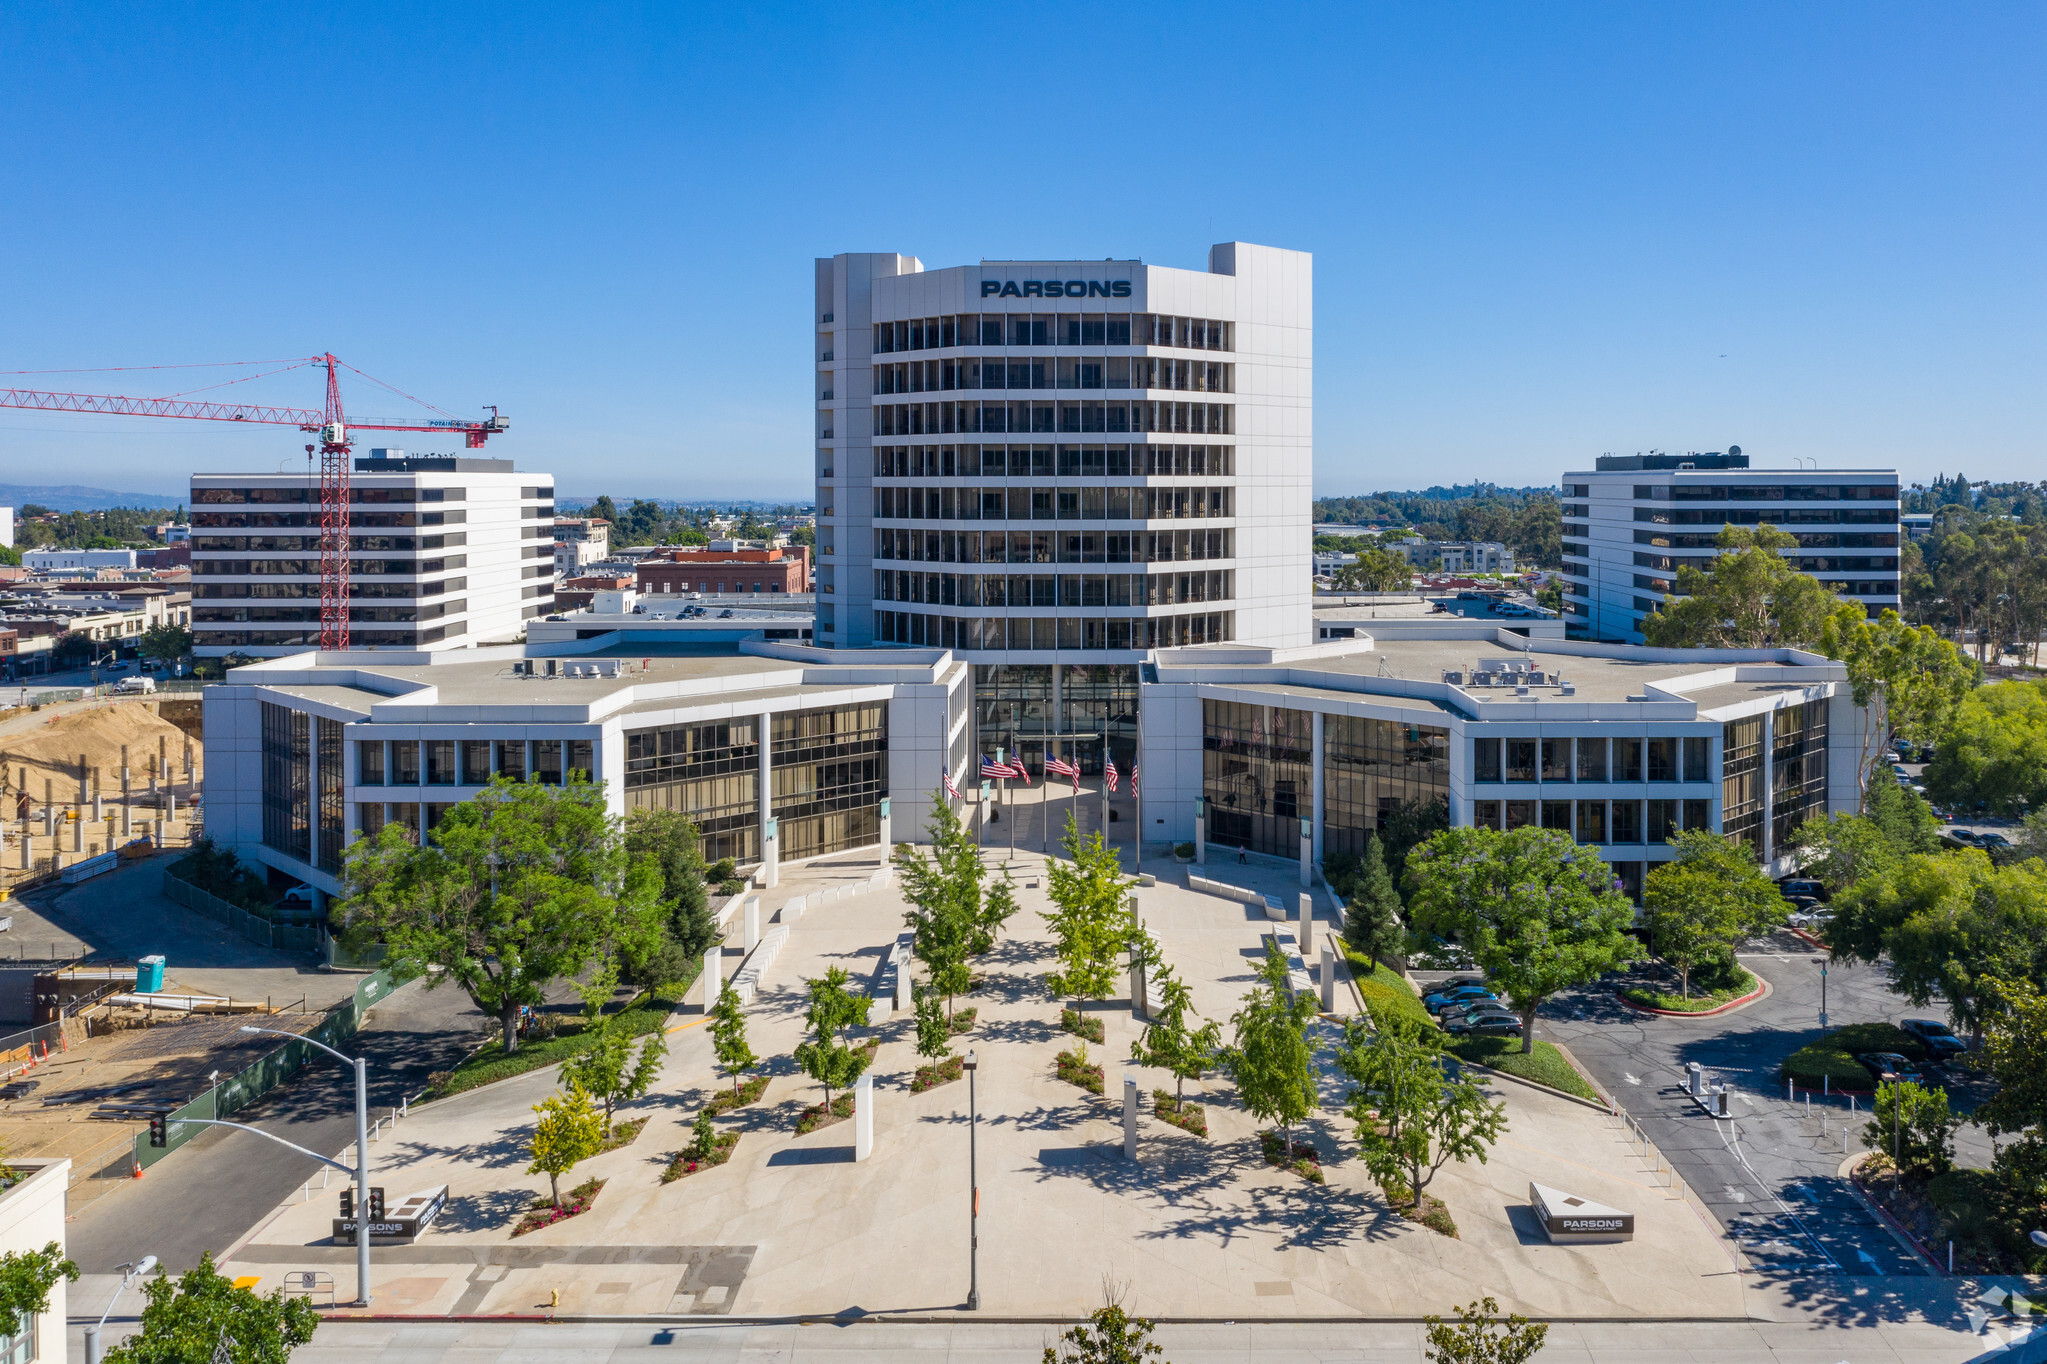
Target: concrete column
49,809
25,860
1307,854
78,831
1315,852
1328,978
904,979
712,979
1136,911
863,1116
1768,839
1137,984
770,851
83,794
1129,1116
750,914
127,814
1304,928
1200,831
98,809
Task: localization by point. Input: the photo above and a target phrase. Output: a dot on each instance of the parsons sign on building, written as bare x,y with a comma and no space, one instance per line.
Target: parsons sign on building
1055,288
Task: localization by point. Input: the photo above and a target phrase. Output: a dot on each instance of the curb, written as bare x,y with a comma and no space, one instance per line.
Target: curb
1592,1104
1852,1168
1761,991
1807,937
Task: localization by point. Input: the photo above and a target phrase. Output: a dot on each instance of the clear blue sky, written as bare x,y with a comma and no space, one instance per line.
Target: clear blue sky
1541,231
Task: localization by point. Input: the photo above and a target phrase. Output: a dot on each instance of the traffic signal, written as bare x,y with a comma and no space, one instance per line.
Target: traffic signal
347,1201
376,1203
159,1130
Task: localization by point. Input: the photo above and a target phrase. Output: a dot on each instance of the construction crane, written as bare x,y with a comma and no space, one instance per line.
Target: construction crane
336,437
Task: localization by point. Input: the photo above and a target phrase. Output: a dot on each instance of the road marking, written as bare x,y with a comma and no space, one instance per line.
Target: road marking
1631,1079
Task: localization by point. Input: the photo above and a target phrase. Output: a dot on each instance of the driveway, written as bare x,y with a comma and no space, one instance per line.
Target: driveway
1770,1173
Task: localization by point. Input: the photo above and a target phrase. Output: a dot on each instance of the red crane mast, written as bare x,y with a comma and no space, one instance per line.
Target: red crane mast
336,439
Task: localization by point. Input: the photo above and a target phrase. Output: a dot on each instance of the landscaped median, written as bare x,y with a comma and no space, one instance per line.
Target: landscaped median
489,1063
1383,990
1745,988
1829,1063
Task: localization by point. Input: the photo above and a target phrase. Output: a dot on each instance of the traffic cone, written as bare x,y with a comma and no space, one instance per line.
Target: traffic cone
138,1168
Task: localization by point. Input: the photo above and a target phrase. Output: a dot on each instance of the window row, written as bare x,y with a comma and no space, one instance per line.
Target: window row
357,568
1053,504
311,591
944,419
1053,329
1048,589
1053,632
309,521
1780,516
1598,821
1806,540
1741,492
358,543
1594,760
238,614
468,762
1054,547
1065,371
284,636
288,496
1054,461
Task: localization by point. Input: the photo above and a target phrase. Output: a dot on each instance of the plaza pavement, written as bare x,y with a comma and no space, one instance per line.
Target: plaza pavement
1195,1229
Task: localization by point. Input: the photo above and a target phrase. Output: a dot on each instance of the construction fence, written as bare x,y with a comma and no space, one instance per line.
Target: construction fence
235,1093
254,927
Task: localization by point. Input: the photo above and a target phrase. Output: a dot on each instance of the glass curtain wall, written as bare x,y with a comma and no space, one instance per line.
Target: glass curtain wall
1101,698
710,772
1741,781
1370,768
333,810
1798,769
1257,773
287,780
830,774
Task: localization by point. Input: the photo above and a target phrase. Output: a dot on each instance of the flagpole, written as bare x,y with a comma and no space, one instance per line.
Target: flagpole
1105,784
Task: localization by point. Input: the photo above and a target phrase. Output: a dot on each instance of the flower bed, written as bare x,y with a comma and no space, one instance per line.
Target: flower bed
815,1116
963,1020
749,1091
1074,1068
1431,1212
546,1214
622,1134
1830,1063
1185,1116
1082,1026
688,1162
942,1073
1672,1002
1302,1159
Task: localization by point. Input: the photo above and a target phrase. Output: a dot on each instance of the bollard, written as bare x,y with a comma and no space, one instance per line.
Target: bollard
1791,1090
863,1116
1129,1116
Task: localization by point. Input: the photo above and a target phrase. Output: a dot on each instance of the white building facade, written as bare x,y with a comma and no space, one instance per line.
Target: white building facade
1633,520
1054,467
446,552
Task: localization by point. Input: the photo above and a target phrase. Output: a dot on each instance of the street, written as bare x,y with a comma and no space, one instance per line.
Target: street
1772,1173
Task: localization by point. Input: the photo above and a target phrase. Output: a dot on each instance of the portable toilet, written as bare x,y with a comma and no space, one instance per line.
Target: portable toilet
149,975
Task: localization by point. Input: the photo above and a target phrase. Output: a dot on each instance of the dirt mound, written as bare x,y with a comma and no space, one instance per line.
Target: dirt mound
49,751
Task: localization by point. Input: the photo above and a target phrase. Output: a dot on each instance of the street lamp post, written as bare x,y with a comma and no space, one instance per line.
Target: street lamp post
129,1274
970,1065
362,1157
1821,962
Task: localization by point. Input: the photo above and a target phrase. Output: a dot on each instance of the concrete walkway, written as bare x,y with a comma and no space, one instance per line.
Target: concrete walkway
1199,1229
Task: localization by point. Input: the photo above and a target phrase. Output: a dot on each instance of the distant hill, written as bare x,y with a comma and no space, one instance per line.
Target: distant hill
71,497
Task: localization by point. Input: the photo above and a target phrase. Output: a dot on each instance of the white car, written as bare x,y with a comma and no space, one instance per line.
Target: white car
135,686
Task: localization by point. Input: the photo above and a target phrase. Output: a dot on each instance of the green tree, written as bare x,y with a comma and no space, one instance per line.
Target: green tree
1482,1336
1914,1124
73,649
826,1057
1996,752
1112,1336
1371,918
1839,849
1414,1113
608,1069
1272,1060
2015,1049
1705,901
669,840
569,1131
954,911
1752,597
26,1278
1091,924
1904,816
1948,923
1907,680
165,641
728,1035
519,887
1376,570
1170,1040
1537,912
934,1029
200,1315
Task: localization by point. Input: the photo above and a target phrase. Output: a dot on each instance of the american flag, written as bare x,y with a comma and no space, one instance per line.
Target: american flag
1109,774
1063,768
1133,779
995,771
950,788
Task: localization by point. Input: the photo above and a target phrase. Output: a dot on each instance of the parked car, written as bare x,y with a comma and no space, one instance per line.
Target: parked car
1894,756
1463,994
1937,1036
1802,906
1889,1067
1474,1009
1901,773
1489,1025
1992,840
1966,837
1792,887
300,894
1818,917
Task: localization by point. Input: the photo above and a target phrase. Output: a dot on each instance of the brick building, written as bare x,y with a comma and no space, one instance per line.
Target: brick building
726,571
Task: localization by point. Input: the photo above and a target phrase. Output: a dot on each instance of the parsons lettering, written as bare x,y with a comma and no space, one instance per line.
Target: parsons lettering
1055,288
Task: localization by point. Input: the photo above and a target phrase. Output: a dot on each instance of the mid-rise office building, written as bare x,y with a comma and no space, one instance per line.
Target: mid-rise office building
1633,520
445,552
1054,467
